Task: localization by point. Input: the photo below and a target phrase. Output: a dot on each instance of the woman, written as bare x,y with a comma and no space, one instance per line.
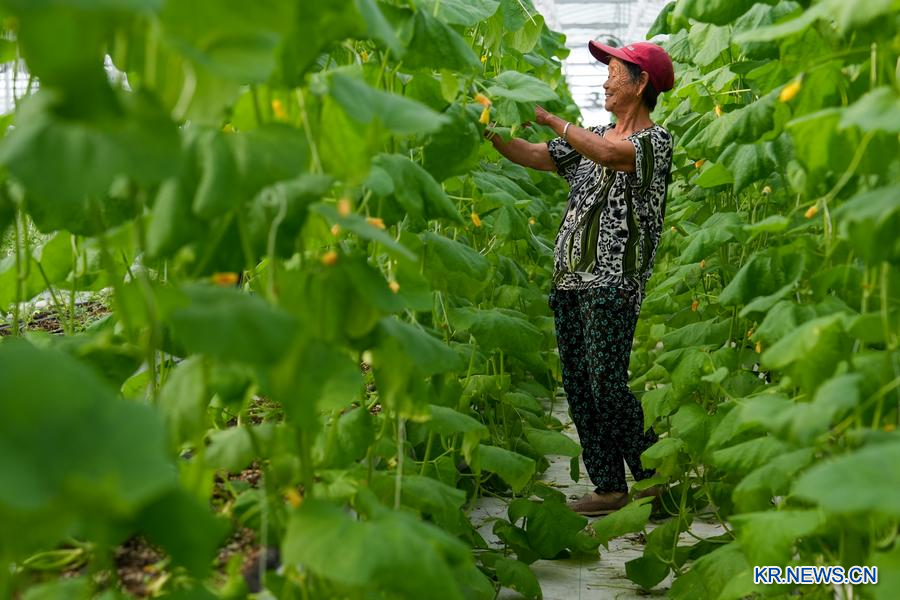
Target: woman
605,247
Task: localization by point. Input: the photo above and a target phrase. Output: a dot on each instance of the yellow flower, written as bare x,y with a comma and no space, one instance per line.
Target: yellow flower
673,229
476,220
699,163
364,56
749,333
335,230
789,91
531,221
344,207
811,211
293,497
482,99
695,305
278,109
703,264
485,117
329,258
718,110
484,58
766,190
759,347
375,222
395,287
225,279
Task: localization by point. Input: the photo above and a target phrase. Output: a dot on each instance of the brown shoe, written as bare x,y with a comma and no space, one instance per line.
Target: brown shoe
653,491
593,504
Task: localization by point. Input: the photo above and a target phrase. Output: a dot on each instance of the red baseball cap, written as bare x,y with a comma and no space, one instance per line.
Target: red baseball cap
648,56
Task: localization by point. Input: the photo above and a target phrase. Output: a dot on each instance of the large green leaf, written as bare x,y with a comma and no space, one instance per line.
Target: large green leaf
435,44
630,519
72,453
550,526
369,554
719,12
454,266
812,351
767,538
365,104
746,124
231,325
69,165
427,352
418,195
186,529
513,468
520,87
497,328
225,39
461,12
870,220
710,574
859,482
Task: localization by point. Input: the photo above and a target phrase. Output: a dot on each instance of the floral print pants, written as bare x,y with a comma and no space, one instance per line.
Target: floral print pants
595,330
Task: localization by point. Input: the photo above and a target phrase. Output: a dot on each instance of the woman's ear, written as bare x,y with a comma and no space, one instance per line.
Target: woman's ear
642,82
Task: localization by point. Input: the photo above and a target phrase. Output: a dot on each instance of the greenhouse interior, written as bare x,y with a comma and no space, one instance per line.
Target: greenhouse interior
450,299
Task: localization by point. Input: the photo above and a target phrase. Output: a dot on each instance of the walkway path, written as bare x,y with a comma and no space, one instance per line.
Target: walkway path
601,578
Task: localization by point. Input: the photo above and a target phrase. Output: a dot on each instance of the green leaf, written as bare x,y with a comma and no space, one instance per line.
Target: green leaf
748,163
231,325
69,165
870,220
453,149
766,278
435,45
744,125
365,104
72,453
453,266
369,554
877,110
520,87
461,12
547,441
513,468
183,401
630,519
428,353
756,490
860,482
550,526
768,538
518,576
720,12
348,439
186,529
710,41
223,38
646,571
710,574
498,328
271,153
418,195
747,456
718,229
358,225
811,352
663,455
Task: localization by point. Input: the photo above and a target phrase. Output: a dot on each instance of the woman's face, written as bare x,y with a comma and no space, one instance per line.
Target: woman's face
621,92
